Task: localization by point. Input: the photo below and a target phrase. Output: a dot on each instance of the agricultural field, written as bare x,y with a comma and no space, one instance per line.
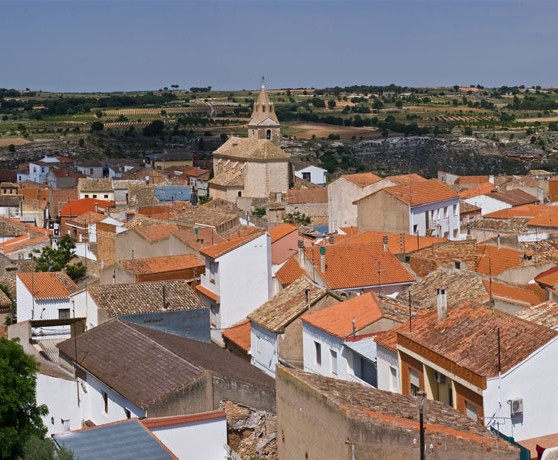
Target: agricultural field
502,120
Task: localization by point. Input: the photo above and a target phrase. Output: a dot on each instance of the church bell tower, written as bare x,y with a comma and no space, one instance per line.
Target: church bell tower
264,123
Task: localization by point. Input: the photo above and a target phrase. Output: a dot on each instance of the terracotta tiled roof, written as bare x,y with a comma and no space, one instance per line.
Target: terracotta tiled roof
544,314
388,410
220,249
548,278
48,285
461,285
239,334
289,272
513,197
521,295
287,305
398,243
481,189
79,207
89,217
462,180
25,241
205,237
362,179
419,193
251,149
468,337
208,293
280,231
156,232
465,208
406,179
528,211
140,298
495,261
339,319
163,264
358,265
318,195
228,179
388,339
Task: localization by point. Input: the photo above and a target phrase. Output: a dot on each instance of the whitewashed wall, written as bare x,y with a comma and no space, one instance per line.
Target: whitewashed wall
204,439
487,204
388,360
328,343
535,381
60,396
264,349
437,216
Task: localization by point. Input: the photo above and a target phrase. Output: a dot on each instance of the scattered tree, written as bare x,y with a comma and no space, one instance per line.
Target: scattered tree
155,128
97,126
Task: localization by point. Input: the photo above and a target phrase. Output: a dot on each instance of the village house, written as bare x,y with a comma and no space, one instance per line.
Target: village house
310,202
355,268
201,435
276,327
313,174
45,295
124,370
490,383
284,243
171,306
92,169
101,189
172,158
329,336
498,200
237,279
187,267
425,208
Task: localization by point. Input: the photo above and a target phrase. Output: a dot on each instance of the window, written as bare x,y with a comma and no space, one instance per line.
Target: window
106,196
63,313
90,170
268,134
415,228
318,349
455,232
415,385
94,195
212,271
128,413
239,193
86,195
471,411
105,402
333,362
455,210
393,379
306,176
446,211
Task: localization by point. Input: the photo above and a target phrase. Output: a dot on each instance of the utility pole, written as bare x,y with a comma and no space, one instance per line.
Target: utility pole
421,403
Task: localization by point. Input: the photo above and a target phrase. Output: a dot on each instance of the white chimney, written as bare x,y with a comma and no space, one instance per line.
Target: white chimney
322,259
442,303
498,241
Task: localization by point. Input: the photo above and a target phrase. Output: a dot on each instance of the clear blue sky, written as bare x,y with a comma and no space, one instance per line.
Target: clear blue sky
79,45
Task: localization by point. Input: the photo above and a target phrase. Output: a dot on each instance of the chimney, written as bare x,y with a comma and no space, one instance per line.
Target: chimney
498,241
442,303
322,259
307,292
386,241
96,207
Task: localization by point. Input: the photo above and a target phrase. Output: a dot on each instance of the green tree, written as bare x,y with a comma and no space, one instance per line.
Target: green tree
97,126
20,416
43,449
11,148
155,128
331,104
51,259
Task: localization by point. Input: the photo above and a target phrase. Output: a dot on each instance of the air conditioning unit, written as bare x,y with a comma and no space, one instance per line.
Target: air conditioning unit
516,406
440,378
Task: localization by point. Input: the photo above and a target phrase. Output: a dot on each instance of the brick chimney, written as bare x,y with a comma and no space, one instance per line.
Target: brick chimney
442,303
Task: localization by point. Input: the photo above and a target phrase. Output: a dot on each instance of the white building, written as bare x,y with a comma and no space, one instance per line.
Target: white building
276,326
38,170
338,340
313,174
45,295
496,201
237,279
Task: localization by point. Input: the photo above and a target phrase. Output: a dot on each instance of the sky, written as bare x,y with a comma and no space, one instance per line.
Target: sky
88,46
